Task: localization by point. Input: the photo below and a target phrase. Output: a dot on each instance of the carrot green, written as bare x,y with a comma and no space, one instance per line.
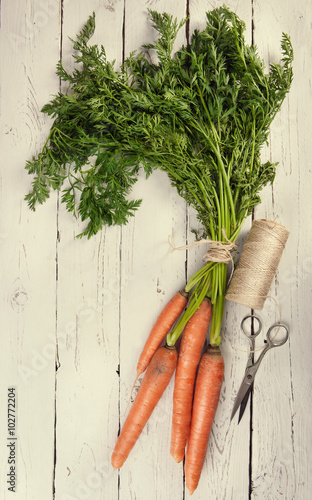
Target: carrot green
201,114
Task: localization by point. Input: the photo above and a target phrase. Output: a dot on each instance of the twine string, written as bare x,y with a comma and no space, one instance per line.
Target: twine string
218,251
250,283
258,264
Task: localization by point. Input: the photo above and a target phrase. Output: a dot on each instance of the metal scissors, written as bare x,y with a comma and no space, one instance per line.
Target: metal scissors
252,367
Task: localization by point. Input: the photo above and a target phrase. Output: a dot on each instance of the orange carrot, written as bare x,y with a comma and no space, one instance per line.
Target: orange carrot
206,398
164,322
191,347
154,383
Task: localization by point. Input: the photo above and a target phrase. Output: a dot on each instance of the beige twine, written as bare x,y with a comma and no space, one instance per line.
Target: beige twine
218,251
258,264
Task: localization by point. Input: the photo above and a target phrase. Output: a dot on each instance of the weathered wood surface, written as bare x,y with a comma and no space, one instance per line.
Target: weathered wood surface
75,313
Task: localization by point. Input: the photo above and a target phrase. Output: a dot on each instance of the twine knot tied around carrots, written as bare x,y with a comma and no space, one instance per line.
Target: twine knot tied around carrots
218,251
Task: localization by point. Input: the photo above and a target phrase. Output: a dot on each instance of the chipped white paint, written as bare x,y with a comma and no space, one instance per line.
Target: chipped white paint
75,313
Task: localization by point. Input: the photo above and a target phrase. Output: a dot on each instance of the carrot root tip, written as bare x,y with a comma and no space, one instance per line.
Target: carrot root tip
177,458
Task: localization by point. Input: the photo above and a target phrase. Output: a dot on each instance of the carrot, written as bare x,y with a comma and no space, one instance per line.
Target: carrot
154,383
193,339
163,324
206,398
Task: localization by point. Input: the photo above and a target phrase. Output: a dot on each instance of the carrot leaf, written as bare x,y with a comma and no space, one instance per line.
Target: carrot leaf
202,114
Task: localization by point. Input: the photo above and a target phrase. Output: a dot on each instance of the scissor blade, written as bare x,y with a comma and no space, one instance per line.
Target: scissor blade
244,403
244,388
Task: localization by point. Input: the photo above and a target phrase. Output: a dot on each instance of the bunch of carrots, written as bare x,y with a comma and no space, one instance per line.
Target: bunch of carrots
197,387
201,115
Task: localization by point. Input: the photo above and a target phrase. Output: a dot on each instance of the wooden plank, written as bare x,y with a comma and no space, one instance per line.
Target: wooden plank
150,472
229,443
88,317
27,251
282,389
90,325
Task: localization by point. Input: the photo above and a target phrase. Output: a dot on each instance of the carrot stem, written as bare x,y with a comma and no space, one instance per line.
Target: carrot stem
198,296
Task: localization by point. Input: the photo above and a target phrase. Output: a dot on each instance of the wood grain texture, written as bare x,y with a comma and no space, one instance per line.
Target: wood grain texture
27,252
157,275
229,444
282,469
88,312
76,313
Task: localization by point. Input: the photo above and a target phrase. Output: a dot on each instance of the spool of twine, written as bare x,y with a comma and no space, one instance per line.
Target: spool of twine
258,263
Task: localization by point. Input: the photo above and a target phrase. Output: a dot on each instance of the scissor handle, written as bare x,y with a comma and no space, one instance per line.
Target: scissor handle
277,342
270,344
256,332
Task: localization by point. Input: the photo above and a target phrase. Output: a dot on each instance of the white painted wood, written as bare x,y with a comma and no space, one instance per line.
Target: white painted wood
229,443
157,275
281,442
76,313
88,311
29,45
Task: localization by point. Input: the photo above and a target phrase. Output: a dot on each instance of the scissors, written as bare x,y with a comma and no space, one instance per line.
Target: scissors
252,367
